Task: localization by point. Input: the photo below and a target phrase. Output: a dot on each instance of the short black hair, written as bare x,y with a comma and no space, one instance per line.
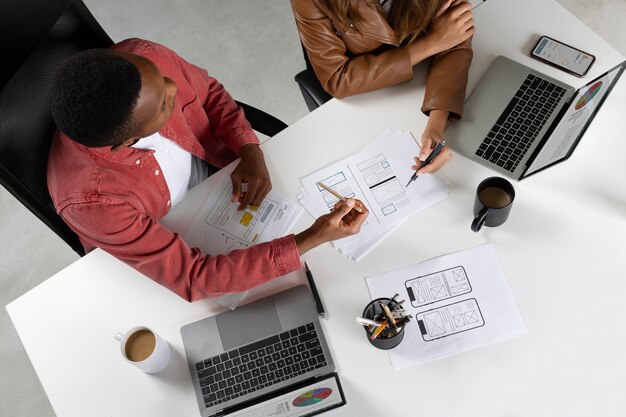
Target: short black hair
93,96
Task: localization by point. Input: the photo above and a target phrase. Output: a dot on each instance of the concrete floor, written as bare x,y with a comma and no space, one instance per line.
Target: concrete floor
252,47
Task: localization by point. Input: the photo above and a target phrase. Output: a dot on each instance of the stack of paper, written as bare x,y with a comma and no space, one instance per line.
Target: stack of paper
377,175
220,228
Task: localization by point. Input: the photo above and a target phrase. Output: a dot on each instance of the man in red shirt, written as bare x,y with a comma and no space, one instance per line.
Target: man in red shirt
126,116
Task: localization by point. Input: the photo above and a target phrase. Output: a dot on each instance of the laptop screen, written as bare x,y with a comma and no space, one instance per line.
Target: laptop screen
573,123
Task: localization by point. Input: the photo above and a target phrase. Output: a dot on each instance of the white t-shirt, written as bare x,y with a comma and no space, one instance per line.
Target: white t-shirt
175,163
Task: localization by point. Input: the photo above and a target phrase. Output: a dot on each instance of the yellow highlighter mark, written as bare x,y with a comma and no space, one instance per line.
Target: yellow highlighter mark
246,219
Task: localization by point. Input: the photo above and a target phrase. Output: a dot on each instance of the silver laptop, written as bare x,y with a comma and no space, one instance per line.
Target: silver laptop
263,350
519,121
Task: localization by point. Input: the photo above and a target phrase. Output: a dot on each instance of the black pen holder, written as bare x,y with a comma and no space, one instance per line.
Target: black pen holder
389,338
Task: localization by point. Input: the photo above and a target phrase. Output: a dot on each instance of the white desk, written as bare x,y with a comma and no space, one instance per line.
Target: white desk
562,249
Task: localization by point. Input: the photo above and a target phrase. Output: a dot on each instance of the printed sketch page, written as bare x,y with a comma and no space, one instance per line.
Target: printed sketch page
377,175
220,228
458,302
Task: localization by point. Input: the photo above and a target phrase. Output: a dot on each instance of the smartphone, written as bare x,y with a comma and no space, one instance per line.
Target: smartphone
562,56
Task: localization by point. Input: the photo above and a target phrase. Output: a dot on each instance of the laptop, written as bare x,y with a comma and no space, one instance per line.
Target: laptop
264,357
519,121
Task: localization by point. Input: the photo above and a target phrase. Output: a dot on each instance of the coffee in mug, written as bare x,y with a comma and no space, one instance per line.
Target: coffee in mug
140,345
492,205
145,349
494,197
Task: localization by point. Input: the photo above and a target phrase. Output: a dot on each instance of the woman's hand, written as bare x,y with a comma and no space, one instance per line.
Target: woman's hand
433,134
453,25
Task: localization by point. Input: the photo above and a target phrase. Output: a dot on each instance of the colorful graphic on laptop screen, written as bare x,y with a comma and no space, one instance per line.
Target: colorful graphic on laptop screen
588,95
312,397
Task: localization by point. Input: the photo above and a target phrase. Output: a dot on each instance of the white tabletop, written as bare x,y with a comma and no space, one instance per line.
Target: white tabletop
561,249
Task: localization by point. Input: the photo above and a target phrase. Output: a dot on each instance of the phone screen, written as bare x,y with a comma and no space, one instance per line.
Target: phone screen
563,56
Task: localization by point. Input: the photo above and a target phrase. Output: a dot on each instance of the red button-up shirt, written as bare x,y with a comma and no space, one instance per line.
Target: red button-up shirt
114,200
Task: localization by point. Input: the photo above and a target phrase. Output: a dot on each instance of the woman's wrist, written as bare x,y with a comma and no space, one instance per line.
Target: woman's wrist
437,120
421,49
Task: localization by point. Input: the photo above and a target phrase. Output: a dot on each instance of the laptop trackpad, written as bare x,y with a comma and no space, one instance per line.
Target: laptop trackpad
248,323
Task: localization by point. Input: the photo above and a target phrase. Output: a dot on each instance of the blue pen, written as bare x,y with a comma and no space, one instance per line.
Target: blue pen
428,160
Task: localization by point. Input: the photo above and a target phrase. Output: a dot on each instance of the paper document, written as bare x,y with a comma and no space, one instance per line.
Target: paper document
220,228
458,302
376,175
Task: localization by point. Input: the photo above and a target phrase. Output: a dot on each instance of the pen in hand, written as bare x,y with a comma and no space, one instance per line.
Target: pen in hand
428,160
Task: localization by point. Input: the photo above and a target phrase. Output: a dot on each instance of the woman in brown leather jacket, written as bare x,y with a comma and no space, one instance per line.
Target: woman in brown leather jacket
357,46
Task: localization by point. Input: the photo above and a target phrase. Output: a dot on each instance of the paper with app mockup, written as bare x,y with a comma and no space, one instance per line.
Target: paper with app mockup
458,302
220,227
377,175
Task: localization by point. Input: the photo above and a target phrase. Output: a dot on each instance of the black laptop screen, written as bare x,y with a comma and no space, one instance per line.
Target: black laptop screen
574,121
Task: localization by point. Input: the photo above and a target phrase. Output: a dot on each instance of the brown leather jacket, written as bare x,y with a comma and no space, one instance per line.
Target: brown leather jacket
348,62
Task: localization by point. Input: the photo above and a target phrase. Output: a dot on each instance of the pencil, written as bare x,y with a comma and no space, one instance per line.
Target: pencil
388,313
339,196
378,330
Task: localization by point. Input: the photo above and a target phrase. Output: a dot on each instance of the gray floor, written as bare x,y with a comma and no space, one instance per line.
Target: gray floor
252,47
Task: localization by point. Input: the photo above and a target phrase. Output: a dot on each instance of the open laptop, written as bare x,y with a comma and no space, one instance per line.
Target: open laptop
519,121
264,357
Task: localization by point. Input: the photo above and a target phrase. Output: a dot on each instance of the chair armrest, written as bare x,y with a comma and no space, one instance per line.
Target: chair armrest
262,122
312,91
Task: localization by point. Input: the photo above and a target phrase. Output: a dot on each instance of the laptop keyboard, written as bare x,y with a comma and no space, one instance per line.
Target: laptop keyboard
260,364
520,123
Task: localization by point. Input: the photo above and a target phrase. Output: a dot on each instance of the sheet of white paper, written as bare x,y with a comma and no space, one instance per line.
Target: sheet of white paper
376,175
358,249
458,302
220,228
305,202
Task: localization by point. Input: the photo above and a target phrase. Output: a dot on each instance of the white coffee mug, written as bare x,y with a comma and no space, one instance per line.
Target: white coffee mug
156,361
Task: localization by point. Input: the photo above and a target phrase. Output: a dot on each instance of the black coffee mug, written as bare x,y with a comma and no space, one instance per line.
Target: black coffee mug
494,199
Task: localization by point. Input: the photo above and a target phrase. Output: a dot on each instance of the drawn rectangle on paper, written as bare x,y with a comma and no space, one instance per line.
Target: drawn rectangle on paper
333,180
438,286
388,190
387,210
372,162
339,183
267,212
450,319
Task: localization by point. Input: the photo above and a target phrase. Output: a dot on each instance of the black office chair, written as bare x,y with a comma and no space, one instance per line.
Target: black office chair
37,36
310,87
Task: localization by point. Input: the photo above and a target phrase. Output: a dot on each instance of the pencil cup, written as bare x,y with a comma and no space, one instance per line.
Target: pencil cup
388,338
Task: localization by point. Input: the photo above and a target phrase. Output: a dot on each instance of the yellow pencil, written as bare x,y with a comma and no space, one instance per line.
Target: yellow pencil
378,330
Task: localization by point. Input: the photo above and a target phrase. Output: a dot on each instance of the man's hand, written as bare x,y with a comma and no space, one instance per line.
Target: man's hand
253,172
342,221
